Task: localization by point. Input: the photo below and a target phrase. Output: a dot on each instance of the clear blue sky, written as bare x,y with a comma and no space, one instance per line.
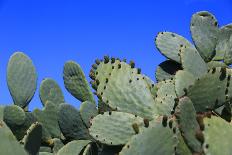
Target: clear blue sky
52,32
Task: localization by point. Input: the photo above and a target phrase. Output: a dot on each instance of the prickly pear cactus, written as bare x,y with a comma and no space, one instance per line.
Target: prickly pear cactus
186,112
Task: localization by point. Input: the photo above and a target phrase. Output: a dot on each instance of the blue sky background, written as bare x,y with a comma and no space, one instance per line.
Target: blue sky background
52,32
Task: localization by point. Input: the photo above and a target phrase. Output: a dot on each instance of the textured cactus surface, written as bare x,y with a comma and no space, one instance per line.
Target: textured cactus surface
186,110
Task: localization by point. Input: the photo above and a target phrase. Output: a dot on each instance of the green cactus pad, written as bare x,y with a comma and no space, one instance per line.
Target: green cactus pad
9,144
214,64
170,45
32,140
193,63
167,70
14,116
100,75
156,139
124,80
88,110
71,124
217,135
183,80
73,148
48,117
212,90
186,116
223,48
76,83
21,79
204,30
57,145
50,91
165,98
114,128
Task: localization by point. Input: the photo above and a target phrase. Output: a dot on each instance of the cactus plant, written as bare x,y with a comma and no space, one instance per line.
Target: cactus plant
188,111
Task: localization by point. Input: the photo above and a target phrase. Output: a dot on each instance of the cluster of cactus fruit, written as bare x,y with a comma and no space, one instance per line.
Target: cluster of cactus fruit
188,111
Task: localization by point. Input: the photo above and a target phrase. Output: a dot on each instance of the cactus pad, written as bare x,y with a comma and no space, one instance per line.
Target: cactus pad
50,91
212,90
156,139
170,45
14,116
71,124
192,62
114,128
165,98
88,110
223,48
21,79
215,130
76,83
186,116
204,30
32,140
73,148
124,80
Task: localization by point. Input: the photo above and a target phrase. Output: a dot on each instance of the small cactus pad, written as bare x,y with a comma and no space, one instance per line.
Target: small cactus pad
48,117
183,80
192,62
217,136
50,91
186,116
71,124
223,48
204,30
21,79
76,83
156,139
115,128
73,148
124,80
165,98
228,46
9,144
171,44
88,110
14,116
212,90
32,140
166,70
